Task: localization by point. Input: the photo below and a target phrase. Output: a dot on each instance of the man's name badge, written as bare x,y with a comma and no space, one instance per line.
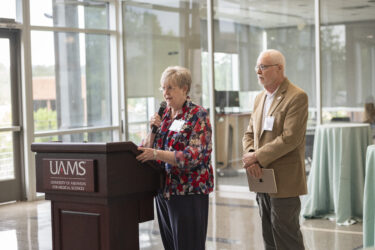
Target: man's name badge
268,123
177,125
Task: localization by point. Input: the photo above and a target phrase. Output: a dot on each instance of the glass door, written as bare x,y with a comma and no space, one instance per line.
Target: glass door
242,29
10,129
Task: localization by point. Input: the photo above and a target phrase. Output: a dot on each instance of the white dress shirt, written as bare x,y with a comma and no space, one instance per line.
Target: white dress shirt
267,104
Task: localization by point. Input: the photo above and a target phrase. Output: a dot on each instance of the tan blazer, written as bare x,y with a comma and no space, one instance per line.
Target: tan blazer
283,148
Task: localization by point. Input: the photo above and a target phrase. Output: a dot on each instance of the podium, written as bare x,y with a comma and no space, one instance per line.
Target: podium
99,193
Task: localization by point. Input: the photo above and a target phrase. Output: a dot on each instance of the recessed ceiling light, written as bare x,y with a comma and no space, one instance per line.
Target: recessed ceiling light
370,36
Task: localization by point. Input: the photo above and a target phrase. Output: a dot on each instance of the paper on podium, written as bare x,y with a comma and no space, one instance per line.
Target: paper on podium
267,184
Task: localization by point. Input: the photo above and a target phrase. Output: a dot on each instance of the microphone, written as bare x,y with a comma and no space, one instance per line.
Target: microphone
163,105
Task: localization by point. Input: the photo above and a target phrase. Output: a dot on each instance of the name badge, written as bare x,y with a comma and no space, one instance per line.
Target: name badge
177,125
268,123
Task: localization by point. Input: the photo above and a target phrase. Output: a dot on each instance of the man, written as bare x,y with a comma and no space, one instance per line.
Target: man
275,139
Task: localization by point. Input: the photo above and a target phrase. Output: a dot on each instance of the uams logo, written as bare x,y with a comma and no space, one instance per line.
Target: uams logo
59,167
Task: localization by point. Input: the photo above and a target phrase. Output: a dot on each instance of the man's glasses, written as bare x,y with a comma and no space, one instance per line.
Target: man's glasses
263,67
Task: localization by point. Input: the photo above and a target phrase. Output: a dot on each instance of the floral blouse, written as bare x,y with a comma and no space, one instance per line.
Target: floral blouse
192,145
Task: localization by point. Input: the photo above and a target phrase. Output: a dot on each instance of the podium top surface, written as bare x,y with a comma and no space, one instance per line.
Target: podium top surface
83,147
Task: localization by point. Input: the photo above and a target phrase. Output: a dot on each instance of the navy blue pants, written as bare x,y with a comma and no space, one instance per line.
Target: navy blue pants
183,221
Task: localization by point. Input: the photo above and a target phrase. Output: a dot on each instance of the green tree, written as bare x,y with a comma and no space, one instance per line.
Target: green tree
41,70
45,119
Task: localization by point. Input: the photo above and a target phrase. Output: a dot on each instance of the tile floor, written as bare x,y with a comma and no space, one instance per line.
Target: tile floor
233,224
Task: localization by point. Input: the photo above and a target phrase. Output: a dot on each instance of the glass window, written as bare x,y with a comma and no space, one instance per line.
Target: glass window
71,80
6,138
348,61
8,9
86,14
158,3
6,156
137,132
158,34
103,136
139,112
5,84
241,32
140,109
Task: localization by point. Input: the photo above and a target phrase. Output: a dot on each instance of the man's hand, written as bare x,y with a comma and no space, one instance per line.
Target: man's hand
255,170
249,159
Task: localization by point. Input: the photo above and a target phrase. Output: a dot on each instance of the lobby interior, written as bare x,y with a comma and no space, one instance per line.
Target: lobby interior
89,70
234,223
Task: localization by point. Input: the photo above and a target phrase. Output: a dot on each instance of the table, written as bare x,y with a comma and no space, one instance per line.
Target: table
231,128
369,200
336,180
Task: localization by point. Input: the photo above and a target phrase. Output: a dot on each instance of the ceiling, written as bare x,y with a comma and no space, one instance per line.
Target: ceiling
275,13
278,13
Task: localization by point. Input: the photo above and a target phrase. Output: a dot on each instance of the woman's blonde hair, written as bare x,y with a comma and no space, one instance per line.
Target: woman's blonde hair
177,74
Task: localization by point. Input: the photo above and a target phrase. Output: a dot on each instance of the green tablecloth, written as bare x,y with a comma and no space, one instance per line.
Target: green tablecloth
336,180
369,200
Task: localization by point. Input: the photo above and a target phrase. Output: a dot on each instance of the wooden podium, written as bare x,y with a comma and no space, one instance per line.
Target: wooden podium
99,193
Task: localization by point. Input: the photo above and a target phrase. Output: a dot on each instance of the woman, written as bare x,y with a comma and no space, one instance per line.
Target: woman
182,146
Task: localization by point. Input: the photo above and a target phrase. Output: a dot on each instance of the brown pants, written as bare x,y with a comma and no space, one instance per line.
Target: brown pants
280,222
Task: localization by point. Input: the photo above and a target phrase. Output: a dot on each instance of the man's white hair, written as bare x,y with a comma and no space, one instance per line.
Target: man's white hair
276,56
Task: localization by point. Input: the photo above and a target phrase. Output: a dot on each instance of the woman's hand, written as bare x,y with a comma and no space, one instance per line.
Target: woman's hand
155,120
146,155
151,154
